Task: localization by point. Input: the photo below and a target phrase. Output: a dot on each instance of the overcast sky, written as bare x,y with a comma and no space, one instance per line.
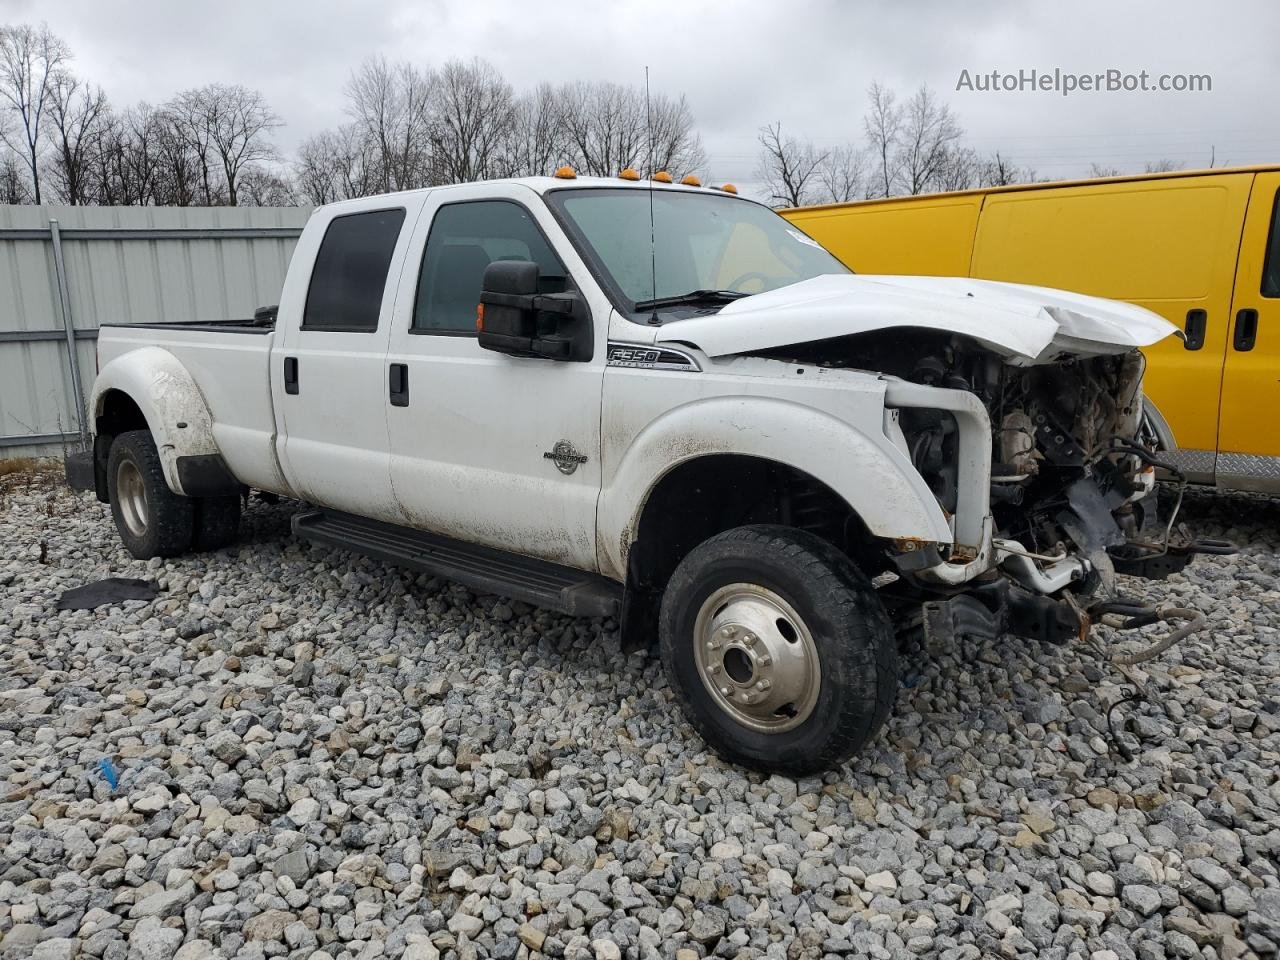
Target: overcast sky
806,63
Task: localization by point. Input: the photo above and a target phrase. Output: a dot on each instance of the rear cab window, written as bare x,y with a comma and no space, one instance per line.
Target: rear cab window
350,272
465,238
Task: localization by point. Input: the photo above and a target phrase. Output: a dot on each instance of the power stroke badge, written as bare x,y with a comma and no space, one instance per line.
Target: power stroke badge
565,457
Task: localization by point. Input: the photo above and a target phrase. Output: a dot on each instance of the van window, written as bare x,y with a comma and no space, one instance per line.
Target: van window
1271,263
350,272
465,238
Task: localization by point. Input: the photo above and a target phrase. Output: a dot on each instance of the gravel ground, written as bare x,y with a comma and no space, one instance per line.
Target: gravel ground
321,756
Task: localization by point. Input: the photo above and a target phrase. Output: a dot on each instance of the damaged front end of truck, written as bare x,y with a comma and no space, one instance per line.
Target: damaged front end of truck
1022,410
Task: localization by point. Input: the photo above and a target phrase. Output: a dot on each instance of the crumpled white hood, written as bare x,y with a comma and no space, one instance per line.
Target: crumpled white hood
1027,324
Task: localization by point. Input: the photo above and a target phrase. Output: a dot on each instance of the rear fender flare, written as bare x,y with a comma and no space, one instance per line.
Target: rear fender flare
170,401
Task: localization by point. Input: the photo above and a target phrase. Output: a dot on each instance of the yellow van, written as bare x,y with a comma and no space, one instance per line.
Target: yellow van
1202,248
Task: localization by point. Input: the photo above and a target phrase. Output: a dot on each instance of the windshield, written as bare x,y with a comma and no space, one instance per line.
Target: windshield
702,242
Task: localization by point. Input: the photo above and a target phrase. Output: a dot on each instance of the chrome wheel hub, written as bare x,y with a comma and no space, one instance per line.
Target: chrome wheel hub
132,493
757,658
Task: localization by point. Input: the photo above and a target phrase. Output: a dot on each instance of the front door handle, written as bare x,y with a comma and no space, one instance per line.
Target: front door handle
1194,331
1246,334
399,384
290,374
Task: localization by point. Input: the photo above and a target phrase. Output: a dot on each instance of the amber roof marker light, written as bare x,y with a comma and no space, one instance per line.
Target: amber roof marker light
689,180
727,188
565,173
663,177
628,173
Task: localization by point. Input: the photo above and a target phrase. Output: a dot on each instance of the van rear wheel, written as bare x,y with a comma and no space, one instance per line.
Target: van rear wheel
152,520
782,655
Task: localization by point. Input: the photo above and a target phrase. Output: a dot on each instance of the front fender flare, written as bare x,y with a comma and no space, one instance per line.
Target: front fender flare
868,472
170,401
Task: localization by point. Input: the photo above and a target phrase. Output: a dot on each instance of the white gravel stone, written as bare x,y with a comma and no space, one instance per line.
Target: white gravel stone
324,757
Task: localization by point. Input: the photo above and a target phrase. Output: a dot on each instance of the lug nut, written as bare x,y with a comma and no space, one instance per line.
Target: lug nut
764,660
714,668
729,631
749,639
724,692
764,684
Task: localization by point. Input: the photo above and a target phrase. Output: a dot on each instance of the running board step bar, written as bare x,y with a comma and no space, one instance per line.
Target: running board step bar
484,569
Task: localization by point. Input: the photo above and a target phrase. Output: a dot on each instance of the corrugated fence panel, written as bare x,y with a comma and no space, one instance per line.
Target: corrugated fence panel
123,265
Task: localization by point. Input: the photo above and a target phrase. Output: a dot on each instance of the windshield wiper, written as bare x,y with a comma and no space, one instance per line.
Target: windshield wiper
692,297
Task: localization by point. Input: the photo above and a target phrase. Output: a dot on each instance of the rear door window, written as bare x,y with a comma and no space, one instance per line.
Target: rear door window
350,272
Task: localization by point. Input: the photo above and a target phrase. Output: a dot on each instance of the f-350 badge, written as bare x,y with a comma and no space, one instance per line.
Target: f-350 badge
565,457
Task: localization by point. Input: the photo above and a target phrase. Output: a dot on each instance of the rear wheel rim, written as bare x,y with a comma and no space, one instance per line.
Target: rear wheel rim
756,657
131,492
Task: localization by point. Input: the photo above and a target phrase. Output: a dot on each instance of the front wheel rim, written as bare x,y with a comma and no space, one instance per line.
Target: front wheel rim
131,492
756,657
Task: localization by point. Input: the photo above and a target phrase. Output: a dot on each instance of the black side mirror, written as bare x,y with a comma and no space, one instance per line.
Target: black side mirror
515,319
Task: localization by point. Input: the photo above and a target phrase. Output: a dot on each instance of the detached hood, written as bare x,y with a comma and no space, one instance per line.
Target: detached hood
1024,323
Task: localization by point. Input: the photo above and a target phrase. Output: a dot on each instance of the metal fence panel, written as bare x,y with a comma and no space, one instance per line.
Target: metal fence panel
121,265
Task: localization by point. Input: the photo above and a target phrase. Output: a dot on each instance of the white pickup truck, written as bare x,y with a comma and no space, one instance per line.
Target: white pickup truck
664,404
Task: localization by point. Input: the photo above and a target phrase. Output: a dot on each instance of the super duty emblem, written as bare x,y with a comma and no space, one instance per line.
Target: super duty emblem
643,357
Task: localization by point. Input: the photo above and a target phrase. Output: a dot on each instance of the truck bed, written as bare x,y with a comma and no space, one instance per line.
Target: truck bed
230,362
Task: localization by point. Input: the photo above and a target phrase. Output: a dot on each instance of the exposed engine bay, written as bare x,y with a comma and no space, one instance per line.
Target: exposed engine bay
1073,492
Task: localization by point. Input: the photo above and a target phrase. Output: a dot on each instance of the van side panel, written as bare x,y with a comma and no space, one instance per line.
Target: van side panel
926,236
1249,441
1169,245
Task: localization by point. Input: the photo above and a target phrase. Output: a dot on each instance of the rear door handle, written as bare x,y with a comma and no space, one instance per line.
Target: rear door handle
1197,324
1246,334
399,384
290,374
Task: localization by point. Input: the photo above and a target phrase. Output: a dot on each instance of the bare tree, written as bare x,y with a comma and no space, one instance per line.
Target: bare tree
265,188
604,127
182,178
77,111
474,109
535,142
337,165
789,167
1099,170
129,161
882,124
390,105
13,186
1164,165
30,59
928,134
998,171
673,144
190,112
959,169
842,173
239,124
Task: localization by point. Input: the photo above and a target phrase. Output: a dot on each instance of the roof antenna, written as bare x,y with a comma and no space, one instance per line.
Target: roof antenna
653,252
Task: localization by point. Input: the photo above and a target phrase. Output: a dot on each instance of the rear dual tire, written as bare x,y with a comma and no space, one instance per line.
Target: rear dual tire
152,520
779,650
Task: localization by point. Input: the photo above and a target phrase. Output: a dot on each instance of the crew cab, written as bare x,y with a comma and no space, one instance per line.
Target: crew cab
664,404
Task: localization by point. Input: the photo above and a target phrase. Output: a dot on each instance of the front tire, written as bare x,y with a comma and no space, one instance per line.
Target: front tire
782,655
153,521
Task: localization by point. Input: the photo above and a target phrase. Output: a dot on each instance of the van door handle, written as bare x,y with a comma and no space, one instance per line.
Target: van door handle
1246,334
399,384
1194,330
290,374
